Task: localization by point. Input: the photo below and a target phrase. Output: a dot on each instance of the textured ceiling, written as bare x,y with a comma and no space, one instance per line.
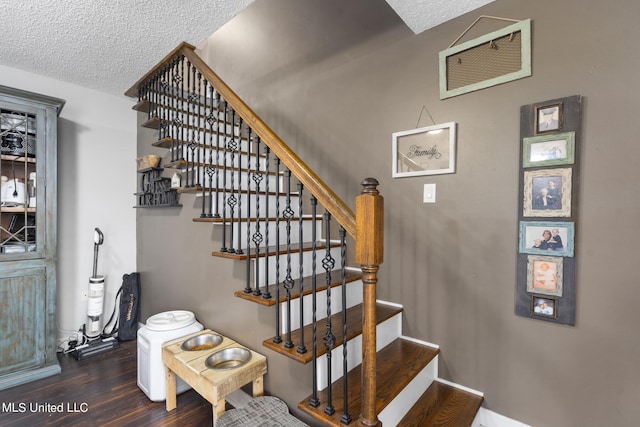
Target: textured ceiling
420,15
108,44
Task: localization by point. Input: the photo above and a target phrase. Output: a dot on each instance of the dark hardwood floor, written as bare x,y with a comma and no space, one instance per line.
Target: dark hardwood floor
99,391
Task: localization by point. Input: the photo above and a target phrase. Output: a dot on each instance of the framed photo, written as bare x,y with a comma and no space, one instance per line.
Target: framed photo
544,275
549,118
547,238
549,150
544,306
547,193
425,151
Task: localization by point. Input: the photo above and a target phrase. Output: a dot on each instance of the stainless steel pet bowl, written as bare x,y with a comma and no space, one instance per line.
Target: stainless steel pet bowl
229,358
201,342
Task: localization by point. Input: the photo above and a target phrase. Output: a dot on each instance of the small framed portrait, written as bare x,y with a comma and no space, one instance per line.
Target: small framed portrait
544,306
544,275
429,150
547,193
548,118
547,238
549,150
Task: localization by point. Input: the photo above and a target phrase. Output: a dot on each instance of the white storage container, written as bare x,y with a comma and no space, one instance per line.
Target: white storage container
160,328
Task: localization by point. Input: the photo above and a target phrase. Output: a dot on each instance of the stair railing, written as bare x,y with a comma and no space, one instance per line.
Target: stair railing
209,130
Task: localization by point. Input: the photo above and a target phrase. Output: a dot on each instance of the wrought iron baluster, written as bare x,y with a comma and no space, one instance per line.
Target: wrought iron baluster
172,121
288,282
224,181
240,175
267,294
314,401
209,170
193,125
164,101
329,339
301,347
154,97
178,118
257,235
247,287
216,214
200,132
277,339
187,129
346,417
232,144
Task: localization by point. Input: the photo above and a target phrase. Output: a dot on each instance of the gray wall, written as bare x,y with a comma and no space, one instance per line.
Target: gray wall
335,85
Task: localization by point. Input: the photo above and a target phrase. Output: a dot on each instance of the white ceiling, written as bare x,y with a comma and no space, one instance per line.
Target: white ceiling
108,44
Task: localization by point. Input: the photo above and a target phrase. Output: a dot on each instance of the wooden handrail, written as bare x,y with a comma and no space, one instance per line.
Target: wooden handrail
312,182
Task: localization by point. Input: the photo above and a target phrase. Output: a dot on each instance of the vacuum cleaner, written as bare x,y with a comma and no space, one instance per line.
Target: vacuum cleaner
96,344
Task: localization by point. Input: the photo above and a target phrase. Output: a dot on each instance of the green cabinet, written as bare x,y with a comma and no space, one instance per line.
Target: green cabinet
28,159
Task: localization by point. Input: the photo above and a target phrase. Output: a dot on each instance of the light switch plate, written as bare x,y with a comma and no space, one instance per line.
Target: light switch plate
429,195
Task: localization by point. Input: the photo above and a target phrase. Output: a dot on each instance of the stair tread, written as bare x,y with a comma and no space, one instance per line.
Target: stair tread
351,275
443,405
354,328
273,250
397,364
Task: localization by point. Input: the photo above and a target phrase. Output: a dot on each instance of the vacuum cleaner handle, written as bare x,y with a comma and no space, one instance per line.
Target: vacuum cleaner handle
98,237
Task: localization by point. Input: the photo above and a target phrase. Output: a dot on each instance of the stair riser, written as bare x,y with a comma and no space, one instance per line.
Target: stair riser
272,213
241,228
386,332
307,266
354,297
400,405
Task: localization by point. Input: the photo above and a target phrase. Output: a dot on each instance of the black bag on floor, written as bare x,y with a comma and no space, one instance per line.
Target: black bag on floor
128,307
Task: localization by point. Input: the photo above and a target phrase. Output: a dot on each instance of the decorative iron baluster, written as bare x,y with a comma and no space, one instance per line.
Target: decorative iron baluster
346,417
232,144
288,282
277,339
193,125
329,339
301,347
257,235
314,401
172,121
164,101
199,132
209,170
187,127
154,97
247,287
240,156
224,180
267,294
216,214
178,118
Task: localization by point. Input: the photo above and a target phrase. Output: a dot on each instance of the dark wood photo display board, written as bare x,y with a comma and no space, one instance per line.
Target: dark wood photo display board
550,138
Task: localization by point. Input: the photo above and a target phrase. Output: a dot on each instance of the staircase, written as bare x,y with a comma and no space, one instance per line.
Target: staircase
290,229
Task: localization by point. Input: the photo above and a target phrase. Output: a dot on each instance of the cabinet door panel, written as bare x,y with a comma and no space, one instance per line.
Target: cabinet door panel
22,311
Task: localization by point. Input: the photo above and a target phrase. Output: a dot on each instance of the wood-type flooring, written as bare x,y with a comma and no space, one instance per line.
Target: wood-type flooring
99,391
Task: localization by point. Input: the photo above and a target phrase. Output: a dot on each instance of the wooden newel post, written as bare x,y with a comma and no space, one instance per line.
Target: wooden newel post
369,254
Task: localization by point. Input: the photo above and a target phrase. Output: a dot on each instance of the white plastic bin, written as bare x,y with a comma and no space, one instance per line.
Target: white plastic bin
160,328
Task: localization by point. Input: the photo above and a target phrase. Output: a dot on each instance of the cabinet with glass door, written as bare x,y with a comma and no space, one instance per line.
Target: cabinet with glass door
28,158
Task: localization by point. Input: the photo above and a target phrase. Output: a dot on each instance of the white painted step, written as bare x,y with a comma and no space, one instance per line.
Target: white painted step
386,331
